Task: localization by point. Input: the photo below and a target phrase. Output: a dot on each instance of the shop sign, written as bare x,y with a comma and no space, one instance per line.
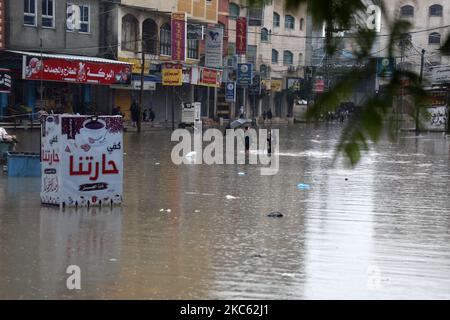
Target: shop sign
385,67
5,81
241,35
244,74
172,74
178,36
230,92
214,47
53,69
136,63
210,77
440,74
276,85
82,160
293,84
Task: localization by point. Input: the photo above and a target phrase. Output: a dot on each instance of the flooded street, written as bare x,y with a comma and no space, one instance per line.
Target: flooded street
381,230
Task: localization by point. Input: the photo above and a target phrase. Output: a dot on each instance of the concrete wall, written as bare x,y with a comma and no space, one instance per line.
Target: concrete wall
57,39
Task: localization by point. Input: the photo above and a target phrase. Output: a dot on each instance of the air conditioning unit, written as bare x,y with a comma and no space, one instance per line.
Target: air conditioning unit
292,68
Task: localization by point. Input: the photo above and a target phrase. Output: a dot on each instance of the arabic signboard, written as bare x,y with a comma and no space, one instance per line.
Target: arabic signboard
82,160
5,81
241,35
2,25
244,74
214,47
276,85
440,74
230,92
210,77
136,65
178,36
255,88
191,112
385,67
293,84
195,32
319,86
61,70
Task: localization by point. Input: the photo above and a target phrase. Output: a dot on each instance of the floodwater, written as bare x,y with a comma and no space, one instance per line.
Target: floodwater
382,233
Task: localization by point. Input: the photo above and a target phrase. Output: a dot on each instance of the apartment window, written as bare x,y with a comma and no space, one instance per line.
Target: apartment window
288,58
289,22
264,35
274,56
407,11
165,40
234,11
434,38
255,17
84,19
302,22
48,13
130,33
435,10
276,20
193,49
150,36
29,12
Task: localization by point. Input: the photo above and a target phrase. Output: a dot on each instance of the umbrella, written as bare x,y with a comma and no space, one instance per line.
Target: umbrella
240,123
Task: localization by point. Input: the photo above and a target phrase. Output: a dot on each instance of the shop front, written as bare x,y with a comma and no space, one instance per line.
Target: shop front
63,83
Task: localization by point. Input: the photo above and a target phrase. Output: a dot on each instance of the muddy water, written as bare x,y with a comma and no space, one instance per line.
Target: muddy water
382,233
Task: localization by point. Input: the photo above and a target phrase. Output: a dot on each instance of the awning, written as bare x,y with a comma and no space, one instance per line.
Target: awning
69,57
74,69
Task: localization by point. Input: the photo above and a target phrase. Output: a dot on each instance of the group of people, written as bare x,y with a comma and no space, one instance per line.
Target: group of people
149,115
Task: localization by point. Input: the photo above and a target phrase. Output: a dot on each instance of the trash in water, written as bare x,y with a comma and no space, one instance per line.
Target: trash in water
275,214
303,186
196,211
157,164
241,173
228,197
112,260
169,210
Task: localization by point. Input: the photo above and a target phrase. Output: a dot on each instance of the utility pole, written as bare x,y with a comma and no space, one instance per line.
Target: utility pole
420,80
141,97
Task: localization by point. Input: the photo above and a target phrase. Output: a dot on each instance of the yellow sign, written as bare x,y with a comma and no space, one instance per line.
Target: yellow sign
172,77
137,65
265,83
276,85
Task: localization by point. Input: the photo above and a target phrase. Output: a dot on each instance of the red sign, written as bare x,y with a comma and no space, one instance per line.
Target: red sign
210,77
76,71
241,36
319,85
2,24
178,36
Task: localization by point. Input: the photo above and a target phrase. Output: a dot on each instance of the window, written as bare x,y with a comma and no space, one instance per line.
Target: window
288,58
48,13
274,56
234,11
251,55
193,50
165,40
407,11
130,33
255,17
84,19
289,22
302,22
150,36
434,38
276,20
435,10
29,12
264,35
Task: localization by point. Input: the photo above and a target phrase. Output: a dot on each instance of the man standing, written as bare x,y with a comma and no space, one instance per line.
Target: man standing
134,109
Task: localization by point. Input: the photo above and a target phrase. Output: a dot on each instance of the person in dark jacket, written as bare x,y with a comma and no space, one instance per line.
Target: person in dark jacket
134,109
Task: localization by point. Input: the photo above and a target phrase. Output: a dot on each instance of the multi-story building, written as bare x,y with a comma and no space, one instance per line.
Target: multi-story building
276,45
137,27
39,30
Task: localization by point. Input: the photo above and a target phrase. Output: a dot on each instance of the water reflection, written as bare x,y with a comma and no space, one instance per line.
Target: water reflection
378,231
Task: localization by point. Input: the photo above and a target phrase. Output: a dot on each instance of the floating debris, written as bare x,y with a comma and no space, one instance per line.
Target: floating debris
303,186
275,214
229,197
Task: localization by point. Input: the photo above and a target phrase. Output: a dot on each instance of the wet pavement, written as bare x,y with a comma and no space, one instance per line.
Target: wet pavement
382,233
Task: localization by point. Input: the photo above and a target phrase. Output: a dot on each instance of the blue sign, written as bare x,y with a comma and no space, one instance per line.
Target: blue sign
385,67
230,92
244,74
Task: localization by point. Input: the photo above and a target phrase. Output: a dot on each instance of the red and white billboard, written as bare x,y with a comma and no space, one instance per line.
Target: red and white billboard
178,36
75,71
